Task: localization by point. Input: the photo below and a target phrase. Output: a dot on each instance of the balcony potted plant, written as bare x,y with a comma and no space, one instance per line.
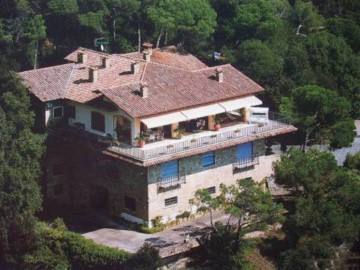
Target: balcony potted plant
217,121
141,140
179,132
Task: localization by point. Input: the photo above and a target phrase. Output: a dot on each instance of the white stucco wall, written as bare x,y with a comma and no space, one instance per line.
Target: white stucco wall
83,115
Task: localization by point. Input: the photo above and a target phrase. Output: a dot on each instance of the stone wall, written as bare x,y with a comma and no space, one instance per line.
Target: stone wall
199,177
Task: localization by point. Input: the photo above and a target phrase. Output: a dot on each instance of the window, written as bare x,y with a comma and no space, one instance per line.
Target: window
208,159
97,121
58,112
244,152
71,111
170,171
171,201
130,203
211,190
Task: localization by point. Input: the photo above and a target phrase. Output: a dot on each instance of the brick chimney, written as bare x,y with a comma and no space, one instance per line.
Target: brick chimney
93,74
146,56
135,68
105,62
144,90
148,47
82,57
219,75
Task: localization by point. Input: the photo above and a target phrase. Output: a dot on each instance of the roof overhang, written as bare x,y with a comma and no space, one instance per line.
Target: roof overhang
186,115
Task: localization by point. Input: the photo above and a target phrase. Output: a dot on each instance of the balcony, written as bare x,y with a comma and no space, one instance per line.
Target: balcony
200,140
171,182
245,163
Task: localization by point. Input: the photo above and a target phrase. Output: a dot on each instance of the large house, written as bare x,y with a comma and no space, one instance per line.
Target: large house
202,126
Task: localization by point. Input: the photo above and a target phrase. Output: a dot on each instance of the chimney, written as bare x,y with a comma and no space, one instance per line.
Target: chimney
146,56
134,68
93,74
144,90
219,75
148,47
105,62
82,57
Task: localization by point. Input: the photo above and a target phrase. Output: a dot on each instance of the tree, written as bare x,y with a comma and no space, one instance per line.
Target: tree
20,152
250,209
187,21
325,212
320,114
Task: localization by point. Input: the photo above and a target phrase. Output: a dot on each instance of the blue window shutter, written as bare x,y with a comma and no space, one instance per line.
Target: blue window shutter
170,169
244,151
208,159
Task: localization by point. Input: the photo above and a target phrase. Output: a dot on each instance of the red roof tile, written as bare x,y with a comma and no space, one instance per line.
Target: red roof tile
176,80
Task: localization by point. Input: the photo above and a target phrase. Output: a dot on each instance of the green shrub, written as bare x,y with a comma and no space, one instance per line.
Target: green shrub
186,214
147,258
152,230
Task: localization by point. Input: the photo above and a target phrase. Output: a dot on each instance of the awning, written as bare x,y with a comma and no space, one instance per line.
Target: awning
163,120
240,103
203,111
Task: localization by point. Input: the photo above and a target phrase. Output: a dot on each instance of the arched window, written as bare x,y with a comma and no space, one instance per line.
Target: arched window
97,121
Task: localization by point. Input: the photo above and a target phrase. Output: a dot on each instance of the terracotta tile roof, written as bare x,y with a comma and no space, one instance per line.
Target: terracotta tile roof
204,149
172,89
176,81
48,83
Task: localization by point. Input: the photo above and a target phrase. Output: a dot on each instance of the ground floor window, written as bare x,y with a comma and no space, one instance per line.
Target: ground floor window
211,190
130,203
171,201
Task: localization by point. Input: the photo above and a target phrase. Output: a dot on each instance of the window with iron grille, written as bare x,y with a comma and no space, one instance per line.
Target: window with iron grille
211,190
97,121
130,203
171,201
208,159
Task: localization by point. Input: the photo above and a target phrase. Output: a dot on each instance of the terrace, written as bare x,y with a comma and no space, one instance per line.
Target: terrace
231,132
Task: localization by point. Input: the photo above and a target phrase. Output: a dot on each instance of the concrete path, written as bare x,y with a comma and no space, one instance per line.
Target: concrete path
170,241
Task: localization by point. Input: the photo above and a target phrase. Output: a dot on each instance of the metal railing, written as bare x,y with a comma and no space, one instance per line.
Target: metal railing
172,181
186,143
246,162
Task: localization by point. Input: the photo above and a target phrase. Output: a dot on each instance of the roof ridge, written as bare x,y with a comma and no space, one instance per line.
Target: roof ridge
67,83
143,72
208,68
91,50
170,66
39,69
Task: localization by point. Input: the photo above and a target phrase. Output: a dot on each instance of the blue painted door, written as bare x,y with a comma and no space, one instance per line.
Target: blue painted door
170,169
244,151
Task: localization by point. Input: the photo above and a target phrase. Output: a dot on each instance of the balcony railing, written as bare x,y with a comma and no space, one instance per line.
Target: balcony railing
171,182
198,140
246,162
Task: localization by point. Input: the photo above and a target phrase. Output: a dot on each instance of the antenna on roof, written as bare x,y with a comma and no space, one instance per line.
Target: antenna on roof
101,43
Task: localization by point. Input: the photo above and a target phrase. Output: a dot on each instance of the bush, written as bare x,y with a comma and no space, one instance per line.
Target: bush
147,258
59,248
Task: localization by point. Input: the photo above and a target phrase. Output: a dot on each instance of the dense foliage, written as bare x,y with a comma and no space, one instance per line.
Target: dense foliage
250,209
326,207
20,152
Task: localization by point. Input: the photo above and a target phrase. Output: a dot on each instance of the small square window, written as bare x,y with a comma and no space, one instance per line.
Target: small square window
130,203
208,159
58,112
211,190
171,201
